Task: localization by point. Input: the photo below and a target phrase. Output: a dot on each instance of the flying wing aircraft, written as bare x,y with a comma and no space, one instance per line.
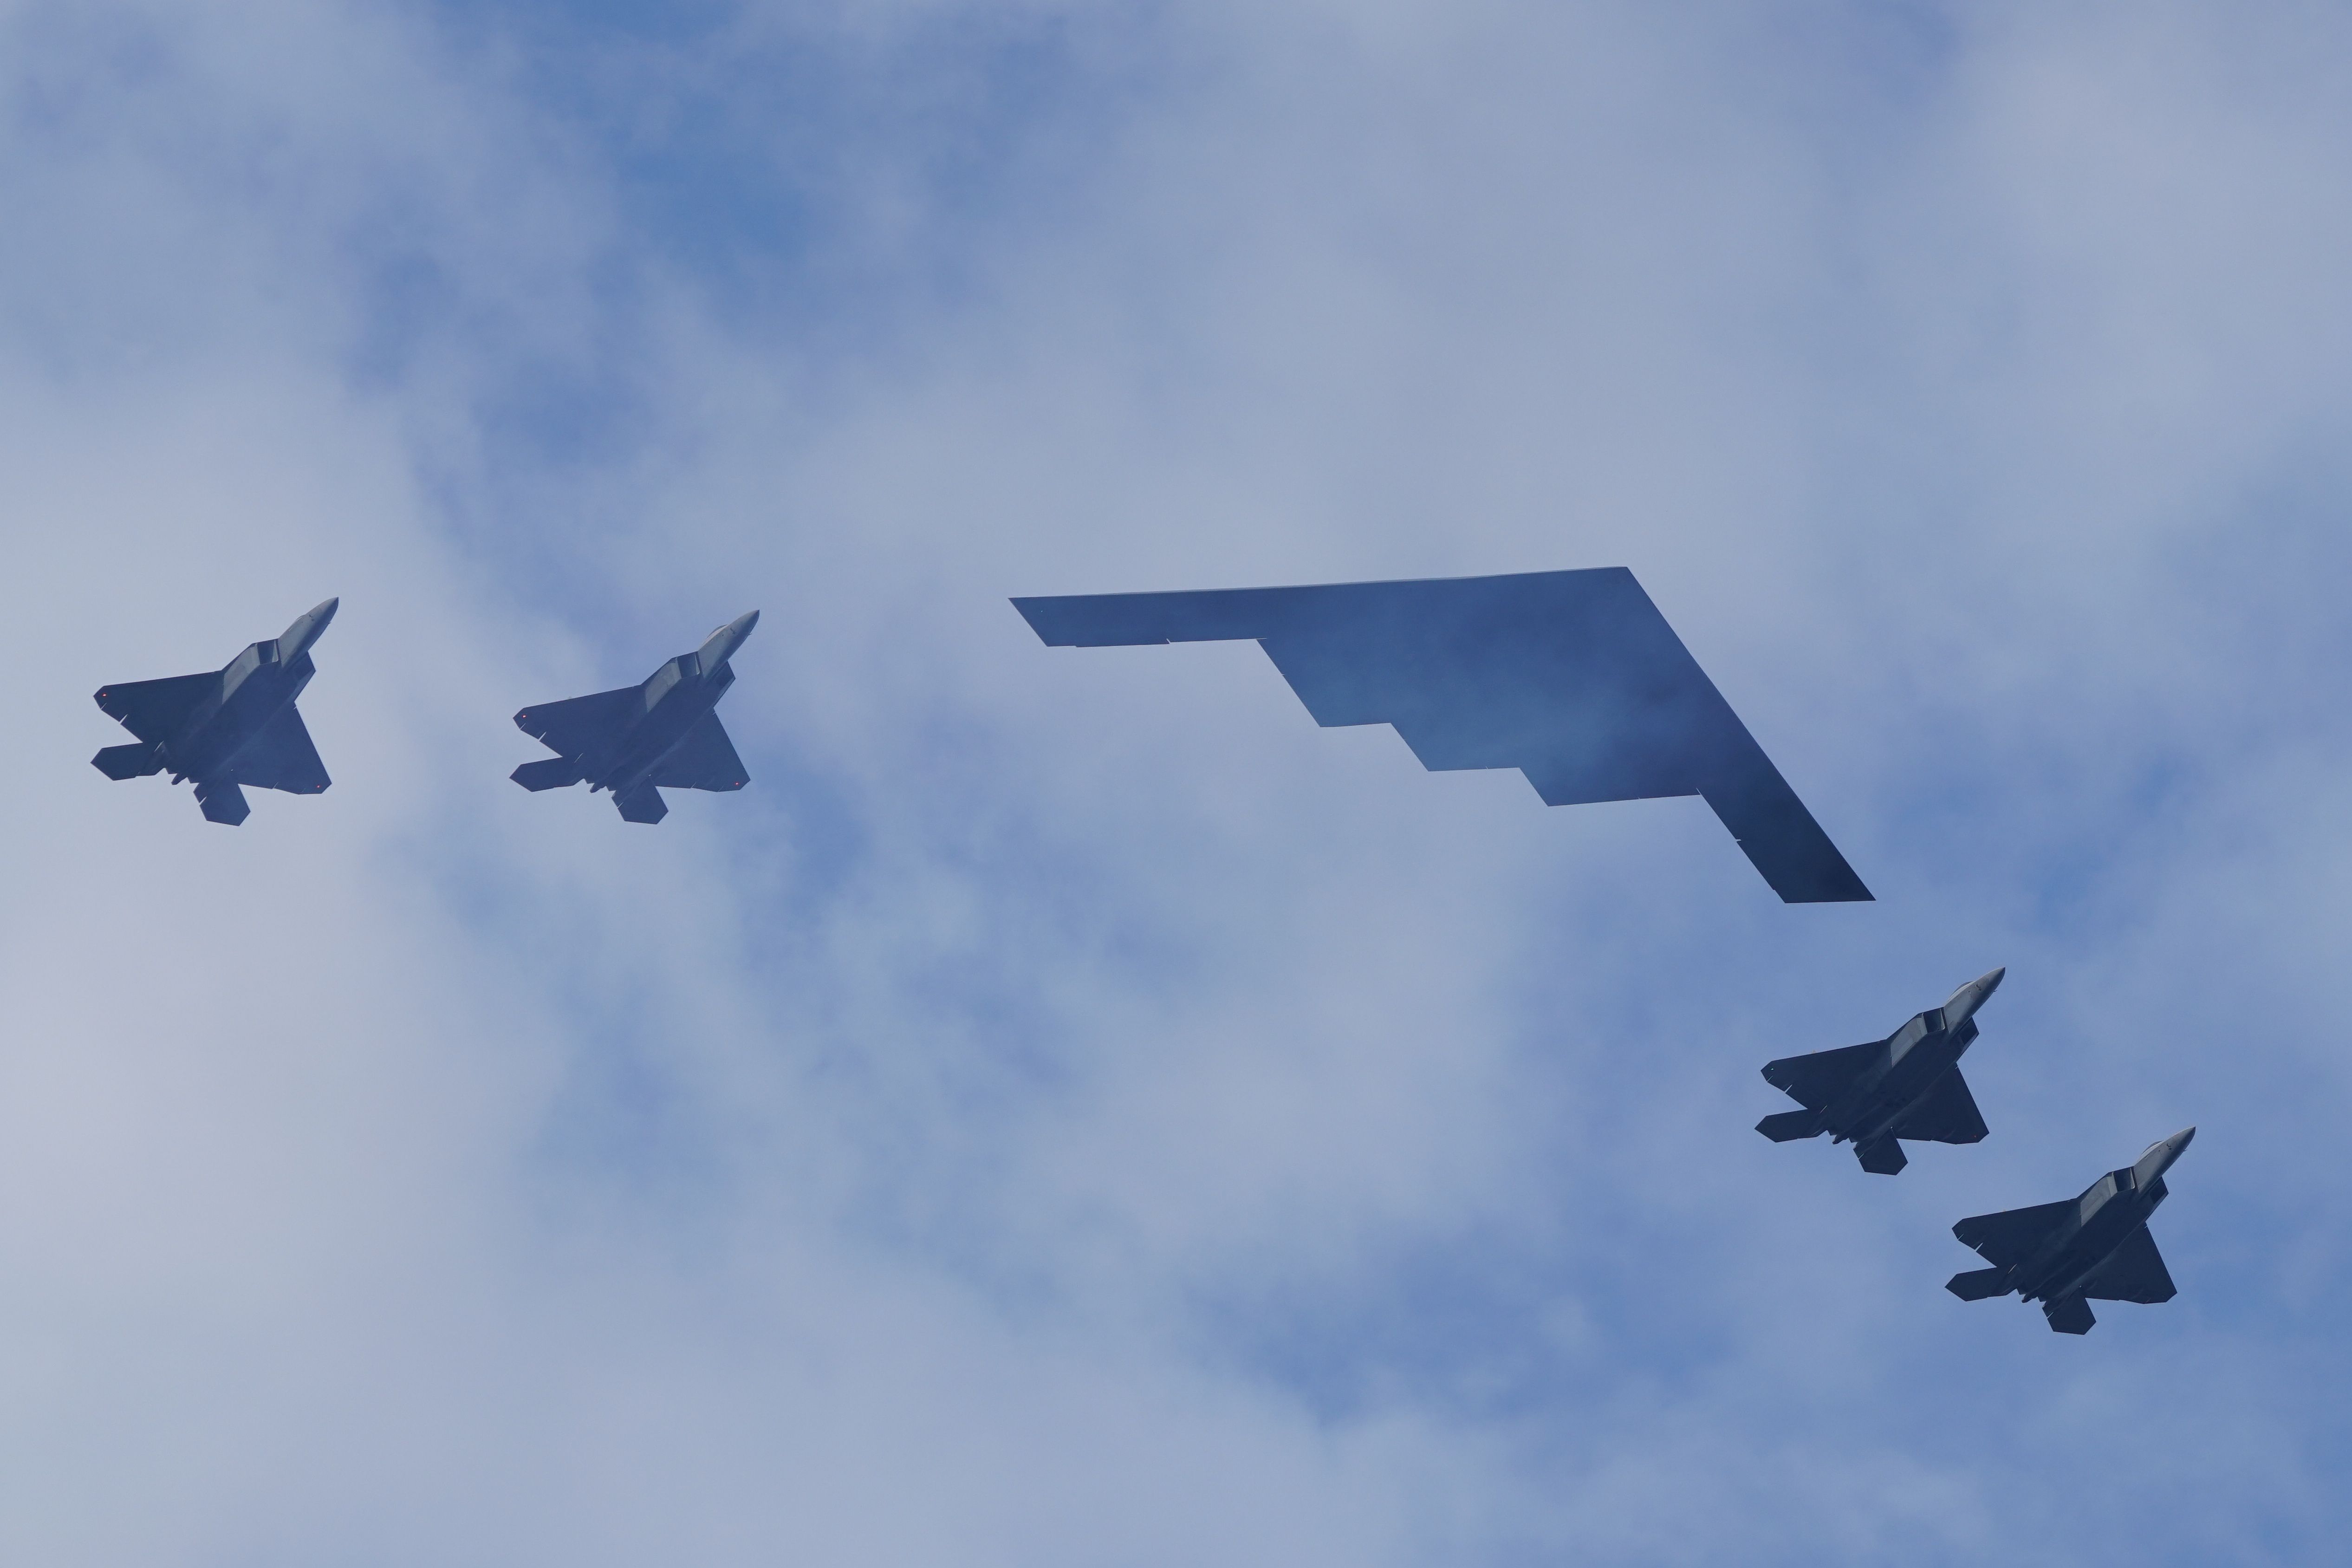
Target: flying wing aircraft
1573,677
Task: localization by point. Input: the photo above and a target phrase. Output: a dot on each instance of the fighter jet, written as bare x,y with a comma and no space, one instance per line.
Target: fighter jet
641,739
1908,1085
2067,1255
225,728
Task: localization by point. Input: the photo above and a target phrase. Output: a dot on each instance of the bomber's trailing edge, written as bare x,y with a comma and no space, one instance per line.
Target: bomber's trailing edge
637,740
227,728
1573,677
1908,1085
2096,1248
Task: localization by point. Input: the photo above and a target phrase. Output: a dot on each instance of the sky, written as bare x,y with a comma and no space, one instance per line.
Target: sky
1070,1109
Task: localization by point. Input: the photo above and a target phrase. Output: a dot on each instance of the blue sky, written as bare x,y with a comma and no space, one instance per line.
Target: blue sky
1071,1110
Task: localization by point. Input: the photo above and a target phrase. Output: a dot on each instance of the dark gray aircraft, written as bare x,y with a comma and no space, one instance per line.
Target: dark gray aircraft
1908,1085
2068,1255
1573,677
641,739
225,728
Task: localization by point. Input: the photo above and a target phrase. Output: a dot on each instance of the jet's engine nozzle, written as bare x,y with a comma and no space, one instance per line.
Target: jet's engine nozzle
2159,1156
305,631
721,644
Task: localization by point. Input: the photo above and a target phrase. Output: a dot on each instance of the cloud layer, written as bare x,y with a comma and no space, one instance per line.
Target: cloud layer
1070,1109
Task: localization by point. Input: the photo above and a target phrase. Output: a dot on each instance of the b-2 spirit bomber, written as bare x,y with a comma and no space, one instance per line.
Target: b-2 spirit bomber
1572,678
227,728
638,740
1908,1085
2067,1255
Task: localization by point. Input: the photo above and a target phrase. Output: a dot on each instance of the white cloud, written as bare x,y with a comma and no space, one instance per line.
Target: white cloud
1070,1109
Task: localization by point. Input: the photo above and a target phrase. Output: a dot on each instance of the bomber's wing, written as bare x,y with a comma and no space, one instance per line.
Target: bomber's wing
1812,1081
151,710
1573,677
1946,1114
2009,1238
280,756
704,758
2133,1272
579,725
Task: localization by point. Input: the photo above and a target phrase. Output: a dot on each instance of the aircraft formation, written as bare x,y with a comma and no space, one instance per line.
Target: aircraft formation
1573,677
222,729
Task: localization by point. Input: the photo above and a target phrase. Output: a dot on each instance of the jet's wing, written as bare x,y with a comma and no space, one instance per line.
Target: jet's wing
704,758
1573,677
2133,1272
579,725
151,710
280,756
2009,1238
1946,1114
1812,1081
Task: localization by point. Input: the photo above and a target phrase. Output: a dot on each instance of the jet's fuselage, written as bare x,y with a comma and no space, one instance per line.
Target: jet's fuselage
1913,1058
676,696
257,684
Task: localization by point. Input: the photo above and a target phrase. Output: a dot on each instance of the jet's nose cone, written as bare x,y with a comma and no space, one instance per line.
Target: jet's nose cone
741,626
1973,996
2161,1154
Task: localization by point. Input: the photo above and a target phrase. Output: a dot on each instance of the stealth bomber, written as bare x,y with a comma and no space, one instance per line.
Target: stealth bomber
1908,1085
638,740
2068,1255
225,728
1572,678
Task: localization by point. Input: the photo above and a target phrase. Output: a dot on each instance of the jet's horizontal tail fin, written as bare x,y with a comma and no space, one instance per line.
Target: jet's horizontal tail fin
548,773
1881,1156
1789,1125
132,762
2070,1315
222,802
1979,1284
642,804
